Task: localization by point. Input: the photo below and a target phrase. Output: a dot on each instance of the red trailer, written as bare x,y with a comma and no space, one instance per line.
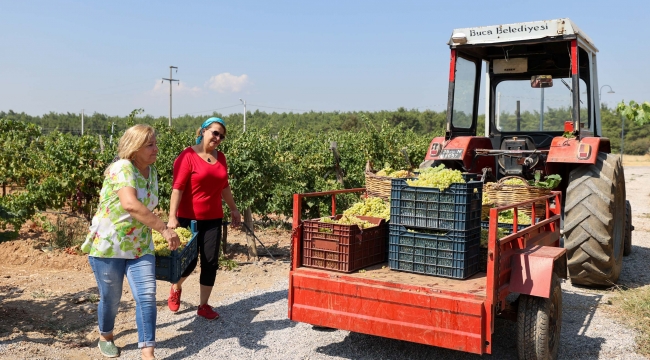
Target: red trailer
443,312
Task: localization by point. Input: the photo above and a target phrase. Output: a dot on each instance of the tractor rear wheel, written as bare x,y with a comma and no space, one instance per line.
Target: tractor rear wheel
539,323
594,222
627,249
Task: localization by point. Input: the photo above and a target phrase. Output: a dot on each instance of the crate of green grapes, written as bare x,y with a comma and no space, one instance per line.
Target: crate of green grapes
330,245
170,267
458,207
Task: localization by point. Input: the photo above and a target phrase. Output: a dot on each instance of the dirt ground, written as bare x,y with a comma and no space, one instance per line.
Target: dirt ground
48,298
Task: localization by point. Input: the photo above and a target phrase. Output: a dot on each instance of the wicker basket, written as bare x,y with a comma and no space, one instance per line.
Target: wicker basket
377,186
503,194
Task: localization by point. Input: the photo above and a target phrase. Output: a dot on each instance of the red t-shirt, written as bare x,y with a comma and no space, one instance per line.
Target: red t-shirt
201,183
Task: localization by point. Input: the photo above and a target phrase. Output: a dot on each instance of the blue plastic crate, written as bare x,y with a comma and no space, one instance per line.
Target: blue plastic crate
507,228
170,268
451,253
456,208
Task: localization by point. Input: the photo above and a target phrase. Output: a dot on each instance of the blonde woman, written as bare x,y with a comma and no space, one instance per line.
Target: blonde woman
200,184
120,244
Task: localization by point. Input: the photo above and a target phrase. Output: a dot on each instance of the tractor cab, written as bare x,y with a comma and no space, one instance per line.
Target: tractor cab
536,83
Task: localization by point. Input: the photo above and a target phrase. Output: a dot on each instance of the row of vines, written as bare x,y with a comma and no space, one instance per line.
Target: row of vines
63,171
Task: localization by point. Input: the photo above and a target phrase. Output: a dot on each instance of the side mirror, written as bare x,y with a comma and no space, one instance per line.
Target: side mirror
541,81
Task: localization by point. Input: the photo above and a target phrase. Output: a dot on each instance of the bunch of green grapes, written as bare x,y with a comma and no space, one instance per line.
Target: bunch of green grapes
346,220
160,244
400,174
372,206
516,181
438,177
507,217
484,236
486,199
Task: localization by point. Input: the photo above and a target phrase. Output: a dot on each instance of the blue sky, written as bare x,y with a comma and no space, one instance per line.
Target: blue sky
110,56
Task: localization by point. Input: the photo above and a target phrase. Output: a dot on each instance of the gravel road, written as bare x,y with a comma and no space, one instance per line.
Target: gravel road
255,325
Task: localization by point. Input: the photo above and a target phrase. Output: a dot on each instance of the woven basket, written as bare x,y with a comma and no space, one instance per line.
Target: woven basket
377,186
502,194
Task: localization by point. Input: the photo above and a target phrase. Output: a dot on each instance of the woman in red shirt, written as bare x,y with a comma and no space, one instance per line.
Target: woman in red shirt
200,183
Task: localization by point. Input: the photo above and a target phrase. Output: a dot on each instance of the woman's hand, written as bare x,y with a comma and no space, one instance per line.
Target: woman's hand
172,223
172,238
236,219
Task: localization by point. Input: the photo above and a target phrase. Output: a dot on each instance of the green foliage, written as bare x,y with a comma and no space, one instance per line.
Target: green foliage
639,113
265,167
549,182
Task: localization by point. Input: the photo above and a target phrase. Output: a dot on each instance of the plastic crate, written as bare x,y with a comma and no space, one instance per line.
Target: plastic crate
452,253
170,268
507,228
456,208
482,259
344,248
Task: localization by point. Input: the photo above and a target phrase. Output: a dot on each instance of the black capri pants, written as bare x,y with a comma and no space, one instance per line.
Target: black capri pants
209,239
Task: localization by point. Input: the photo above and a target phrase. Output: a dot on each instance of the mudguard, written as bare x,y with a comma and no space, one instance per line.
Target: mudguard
533,268
574,151
461,149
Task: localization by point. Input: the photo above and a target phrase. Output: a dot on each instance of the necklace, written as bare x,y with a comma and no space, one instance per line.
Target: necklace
209,160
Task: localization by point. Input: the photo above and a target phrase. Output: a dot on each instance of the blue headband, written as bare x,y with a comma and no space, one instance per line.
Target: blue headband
208,123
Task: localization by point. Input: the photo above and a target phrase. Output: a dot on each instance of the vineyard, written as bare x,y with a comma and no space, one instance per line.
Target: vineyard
64,171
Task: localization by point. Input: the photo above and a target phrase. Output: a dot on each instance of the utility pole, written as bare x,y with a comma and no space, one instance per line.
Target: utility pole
82,122
170,91
244,102
248,215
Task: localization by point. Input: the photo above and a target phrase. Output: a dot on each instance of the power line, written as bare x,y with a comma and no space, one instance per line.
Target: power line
199,112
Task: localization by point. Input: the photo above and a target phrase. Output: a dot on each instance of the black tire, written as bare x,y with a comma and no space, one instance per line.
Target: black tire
627,249
539,324
594,223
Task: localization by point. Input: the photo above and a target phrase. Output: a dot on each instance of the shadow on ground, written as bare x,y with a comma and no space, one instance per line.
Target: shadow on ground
578,311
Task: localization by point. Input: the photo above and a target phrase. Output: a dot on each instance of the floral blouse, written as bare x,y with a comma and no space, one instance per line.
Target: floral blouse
114,233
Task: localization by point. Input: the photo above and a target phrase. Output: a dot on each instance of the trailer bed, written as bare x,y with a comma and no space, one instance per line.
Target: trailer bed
381,275
382,302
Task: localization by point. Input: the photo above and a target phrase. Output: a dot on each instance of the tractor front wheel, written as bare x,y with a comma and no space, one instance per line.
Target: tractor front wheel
539,323
594,222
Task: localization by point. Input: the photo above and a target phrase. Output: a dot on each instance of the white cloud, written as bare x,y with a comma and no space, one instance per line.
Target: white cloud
226,82
178,88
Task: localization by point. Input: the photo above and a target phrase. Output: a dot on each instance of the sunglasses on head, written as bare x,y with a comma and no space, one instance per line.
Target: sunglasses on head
215,133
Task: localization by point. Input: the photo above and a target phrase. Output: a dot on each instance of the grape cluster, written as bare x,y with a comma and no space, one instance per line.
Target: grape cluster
389,172
437,177
484,236
515,181
160,244
507,217
372,206
346,220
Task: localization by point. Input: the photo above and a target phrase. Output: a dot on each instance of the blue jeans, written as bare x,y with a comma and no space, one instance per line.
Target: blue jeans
141,274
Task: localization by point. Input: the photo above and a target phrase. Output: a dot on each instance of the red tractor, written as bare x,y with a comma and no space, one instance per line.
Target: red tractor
539,87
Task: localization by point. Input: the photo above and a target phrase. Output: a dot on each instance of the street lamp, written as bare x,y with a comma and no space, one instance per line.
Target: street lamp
244,102
611,91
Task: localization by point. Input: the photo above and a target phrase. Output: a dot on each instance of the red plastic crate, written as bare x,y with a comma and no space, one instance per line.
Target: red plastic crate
344,248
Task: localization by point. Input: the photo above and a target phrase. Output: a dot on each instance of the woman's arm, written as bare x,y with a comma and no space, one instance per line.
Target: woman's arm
226,194
173,208
130,203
